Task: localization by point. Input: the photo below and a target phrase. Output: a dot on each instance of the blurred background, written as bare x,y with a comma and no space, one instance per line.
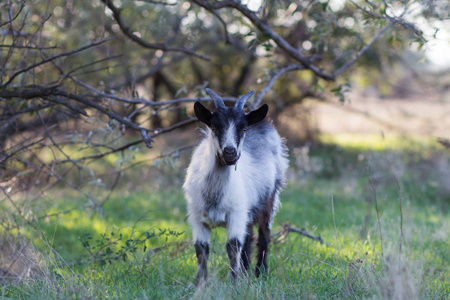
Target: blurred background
97,124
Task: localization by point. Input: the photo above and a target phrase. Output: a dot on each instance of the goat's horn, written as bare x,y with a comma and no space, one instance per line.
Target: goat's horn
241,101
217,100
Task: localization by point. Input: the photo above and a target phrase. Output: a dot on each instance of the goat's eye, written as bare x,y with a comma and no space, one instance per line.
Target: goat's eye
213,129
244,130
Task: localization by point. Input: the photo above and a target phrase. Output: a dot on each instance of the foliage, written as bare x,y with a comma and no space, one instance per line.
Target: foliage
114,246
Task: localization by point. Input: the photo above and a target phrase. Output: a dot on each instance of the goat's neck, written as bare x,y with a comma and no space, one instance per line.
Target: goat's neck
217,178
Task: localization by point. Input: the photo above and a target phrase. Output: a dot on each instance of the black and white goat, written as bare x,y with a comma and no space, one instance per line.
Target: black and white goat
234,179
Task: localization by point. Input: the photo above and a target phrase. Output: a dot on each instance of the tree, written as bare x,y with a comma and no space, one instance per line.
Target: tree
82,80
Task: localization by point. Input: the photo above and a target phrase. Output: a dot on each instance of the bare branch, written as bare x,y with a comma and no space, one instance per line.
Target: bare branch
133,143
224,25
397,20
55,143
104,110
60,178
363,50
89,65
22,5
272,81
144,101
266,30
287,228
444,142
68,105
174,153
44,61
27,92
29,47
161,2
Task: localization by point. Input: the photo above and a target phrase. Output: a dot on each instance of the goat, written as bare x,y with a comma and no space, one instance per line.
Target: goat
234,180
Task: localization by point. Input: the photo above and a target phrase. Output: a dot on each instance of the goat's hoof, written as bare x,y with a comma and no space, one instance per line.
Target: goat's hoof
201,283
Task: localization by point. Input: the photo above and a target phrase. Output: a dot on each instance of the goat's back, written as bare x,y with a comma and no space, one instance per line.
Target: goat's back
264,144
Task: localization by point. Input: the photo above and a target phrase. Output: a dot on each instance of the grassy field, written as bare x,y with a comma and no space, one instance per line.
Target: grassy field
382,209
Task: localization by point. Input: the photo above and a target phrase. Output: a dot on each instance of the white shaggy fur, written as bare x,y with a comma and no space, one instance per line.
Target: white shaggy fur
234,180
243,189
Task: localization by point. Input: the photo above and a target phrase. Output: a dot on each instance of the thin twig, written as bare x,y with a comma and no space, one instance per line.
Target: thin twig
111,189
374,191
337,244
287,228
29,47
363,50
22,5
108,112
335,229
145,101
272,81
89,65
174,153
444,142
307,62
55,143
129,33
44,61
133,143
378,35
399,188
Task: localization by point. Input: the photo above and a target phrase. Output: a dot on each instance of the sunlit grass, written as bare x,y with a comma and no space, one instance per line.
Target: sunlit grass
379,142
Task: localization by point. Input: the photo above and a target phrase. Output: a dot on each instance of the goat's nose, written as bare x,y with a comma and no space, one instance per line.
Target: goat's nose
229,150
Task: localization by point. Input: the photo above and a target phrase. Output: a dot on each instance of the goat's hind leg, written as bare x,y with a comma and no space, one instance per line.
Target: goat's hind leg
263,247
264,223
247,248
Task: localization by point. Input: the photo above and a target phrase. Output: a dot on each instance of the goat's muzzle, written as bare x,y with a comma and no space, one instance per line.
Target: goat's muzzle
230,155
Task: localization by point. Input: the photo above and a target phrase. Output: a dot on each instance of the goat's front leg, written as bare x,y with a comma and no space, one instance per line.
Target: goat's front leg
202,252
202,234
237,230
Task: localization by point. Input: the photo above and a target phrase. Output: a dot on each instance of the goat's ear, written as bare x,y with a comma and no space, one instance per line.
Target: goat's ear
257,115
202,113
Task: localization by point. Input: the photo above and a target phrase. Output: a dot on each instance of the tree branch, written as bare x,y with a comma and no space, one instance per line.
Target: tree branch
266,30
133,143
126,30
53,58
379,34
109,113
363,50
272,81
22,5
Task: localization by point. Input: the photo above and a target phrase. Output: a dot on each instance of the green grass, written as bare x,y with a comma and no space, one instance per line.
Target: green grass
379,142
333,193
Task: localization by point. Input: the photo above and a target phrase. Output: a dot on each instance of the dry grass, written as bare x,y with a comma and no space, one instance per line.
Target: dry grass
18,260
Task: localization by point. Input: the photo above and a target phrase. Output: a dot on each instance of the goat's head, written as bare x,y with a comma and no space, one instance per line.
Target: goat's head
229,125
